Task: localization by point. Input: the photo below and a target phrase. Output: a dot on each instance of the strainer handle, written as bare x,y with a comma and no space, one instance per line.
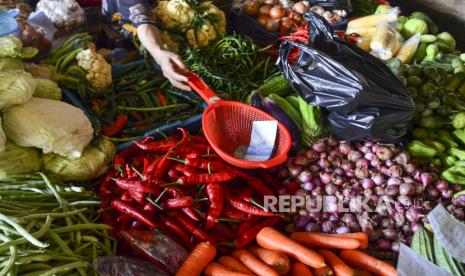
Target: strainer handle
199,86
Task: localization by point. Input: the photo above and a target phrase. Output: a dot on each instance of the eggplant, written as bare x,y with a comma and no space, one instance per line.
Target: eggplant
274,110
256,100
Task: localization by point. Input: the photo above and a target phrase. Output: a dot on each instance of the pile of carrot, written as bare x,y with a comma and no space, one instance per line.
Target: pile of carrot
301,254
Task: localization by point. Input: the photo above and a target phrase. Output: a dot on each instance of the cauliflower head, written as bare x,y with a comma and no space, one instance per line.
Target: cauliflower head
174,14
201,36
169,43
216,17
97,68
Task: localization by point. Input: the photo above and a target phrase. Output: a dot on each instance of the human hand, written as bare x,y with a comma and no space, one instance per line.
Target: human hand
173,68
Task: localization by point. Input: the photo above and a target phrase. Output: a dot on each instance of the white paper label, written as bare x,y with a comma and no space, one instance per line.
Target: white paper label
40,20
449,232
262,141
413,264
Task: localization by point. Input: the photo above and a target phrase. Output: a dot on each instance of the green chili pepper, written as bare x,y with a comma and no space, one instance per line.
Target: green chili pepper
459,153
418,149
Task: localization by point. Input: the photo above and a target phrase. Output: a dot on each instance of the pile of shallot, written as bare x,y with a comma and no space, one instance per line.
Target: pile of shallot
343,171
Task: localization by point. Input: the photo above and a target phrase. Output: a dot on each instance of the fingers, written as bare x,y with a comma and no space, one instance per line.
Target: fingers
180,85
179,63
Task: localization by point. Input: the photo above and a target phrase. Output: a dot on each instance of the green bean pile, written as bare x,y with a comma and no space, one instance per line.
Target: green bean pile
233,66
48,228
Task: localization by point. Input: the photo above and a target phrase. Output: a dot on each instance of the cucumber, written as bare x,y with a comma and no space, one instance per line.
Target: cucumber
276,85
432,27
456,81
294,100
421,52
443,46
288,108
428,38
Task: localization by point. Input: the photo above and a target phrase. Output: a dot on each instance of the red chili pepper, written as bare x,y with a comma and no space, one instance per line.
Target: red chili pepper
108,217
204,178
149,209
269,180
187,171
104,187
225,230
199,139
124,222
292,187
162,98
173,174
138,197
258,185
135,186
158,146
235,214
246,207
177,230
246,194
126,196
119,124
249,236
130,173
175,192
137,115
204,164
120,158
95,101
191,227
164,163
137,225
146,165
151,168
244,227
215,196
180,202
133,212
200,147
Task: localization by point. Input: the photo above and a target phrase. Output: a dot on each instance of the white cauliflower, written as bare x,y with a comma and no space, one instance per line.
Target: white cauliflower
97,68
66,15
216,17
201,36
174,14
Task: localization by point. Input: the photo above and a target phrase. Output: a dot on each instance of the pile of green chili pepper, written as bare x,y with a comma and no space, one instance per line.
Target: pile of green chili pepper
233,66
139,100
48,228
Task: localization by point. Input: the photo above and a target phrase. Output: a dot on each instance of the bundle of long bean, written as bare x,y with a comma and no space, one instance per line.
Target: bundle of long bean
233,66
139,101
48,228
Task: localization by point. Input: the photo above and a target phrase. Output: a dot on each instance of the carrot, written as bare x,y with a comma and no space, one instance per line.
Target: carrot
324,271
253,263
234,265
358,258
197,260
299,269
360,236
318,241
338,266
362,272
277,260
215,269
271,239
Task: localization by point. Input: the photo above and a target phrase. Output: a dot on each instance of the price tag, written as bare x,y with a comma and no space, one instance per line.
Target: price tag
262,141
449,232
413,264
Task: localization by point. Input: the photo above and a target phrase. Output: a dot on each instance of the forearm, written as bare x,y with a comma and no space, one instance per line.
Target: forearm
149,35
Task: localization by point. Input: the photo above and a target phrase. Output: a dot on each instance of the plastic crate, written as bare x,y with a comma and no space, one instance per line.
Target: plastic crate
192,124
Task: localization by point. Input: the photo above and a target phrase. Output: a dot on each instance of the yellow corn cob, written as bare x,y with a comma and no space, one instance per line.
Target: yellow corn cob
408,50
386,41
364,43
371,20
362,31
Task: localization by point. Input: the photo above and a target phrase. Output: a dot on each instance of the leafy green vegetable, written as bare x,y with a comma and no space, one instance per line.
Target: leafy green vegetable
47,89
16,87
18,160
11,64
12,47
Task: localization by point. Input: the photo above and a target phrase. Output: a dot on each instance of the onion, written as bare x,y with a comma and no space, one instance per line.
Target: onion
426,179
323,155
347,218
395,246
369,156
264,10
413,214
361,163
402,158
301,161
311,155
308,186
270,2
303,212
251,7
294,171
316,191
345,148
328,226
399,219
338,180
389,163
361,173
457,188
301,223
404,200
272,25
394,181
297,18
414,227
350,174
432,193
283,173
345,165
408,179
301,192
447,194
395,171
375,148
354,156
383,245
323,163
368,192
375,163
379,190
330,189
378,179
312,227
262,19
333,217
286,23
459,213
338,171
365,149
332,142
387,223
368,144
392,190
367,183
407,189
317,181
325,178
299,8
342,230
314,215
319,146
410,168
304,176
277,12
384,153
354,227
390,234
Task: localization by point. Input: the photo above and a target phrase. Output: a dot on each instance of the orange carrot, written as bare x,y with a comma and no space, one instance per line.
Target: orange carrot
362,272
234,265
254,264
299,269
338,266
277,260
271,239
197,260
360,259
215,269
360,236
324,271
318,241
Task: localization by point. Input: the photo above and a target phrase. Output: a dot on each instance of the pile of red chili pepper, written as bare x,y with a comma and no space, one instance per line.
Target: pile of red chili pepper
181,187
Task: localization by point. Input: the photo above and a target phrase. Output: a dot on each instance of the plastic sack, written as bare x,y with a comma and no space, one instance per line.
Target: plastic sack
386,41
123,266
157,248
364,98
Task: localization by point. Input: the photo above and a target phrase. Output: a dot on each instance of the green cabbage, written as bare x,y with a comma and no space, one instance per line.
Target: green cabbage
50,125
47,89
12,47
18,160
2,138
11,64
16,87
93,162
41,71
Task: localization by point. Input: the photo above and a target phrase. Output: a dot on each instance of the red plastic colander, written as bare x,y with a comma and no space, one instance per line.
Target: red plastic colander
228,125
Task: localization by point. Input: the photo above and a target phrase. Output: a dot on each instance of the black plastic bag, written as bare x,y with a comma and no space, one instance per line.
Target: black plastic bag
364,98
